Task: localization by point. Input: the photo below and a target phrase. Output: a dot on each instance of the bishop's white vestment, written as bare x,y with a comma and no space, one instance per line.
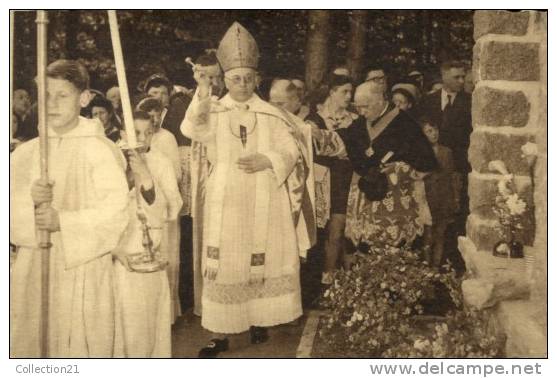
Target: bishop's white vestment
251,221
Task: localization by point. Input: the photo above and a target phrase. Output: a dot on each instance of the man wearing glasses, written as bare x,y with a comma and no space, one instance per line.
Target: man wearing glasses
377,79
254,198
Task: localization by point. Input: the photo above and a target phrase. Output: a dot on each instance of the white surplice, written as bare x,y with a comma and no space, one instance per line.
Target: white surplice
90,195
143,300
246,215
165,142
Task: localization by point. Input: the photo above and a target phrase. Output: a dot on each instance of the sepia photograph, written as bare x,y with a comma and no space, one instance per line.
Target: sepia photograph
303,183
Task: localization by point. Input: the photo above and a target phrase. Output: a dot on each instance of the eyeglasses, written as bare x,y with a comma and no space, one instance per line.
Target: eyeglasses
359,106
239,79
377,79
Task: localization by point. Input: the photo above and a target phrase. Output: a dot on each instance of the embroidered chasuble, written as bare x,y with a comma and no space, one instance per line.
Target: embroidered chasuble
90,195
250,221
200,168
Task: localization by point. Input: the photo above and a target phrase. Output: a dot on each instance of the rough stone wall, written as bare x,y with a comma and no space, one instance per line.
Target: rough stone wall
539,287
509,109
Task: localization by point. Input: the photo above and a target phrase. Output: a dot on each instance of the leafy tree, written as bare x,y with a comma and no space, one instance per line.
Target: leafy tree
160,40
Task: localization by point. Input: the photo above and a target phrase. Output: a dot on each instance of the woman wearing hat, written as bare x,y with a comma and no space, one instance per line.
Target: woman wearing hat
405,96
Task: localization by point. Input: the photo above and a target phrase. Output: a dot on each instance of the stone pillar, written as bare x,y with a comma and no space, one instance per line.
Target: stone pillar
509,109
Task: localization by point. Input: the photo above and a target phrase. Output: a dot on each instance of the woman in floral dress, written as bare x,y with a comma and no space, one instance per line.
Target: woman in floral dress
389,153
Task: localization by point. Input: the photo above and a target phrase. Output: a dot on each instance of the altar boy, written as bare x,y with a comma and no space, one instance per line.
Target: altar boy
142,300
85,215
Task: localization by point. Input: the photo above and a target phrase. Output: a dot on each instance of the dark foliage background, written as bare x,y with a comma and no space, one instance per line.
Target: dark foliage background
159,41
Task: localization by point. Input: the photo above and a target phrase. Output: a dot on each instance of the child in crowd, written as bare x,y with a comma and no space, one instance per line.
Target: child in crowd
442,195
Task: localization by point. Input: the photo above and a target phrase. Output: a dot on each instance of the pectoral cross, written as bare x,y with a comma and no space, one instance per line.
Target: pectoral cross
243,135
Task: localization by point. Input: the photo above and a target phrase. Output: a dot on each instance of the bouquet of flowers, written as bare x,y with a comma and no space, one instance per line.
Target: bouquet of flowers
509,208
371,306
377,309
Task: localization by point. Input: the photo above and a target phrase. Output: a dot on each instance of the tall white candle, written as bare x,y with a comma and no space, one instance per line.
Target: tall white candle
12,40
122,81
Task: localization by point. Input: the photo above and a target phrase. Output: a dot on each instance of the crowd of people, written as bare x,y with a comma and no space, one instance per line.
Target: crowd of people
235,190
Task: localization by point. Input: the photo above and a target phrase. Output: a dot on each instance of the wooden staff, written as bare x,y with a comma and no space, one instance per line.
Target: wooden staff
122,81
44,236
12,39
130,133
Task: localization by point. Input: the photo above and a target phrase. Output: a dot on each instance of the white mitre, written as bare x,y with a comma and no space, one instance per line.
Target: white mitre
237,49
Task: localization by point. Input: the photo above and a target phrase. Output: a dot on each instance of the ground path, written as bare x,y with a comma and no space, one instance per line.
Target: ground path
188,337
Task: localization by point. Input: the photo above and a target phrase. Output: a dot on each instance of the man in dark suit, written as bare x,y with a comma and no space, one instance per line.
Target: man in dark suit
450,109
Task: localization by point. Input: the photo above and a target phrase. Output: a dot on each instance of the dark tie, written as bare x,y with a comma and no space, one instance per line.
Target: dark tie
445,125
449,102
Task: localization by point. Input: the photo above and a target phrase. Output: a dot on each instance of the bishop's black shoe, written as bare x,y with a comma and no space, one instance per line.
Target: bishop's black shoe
258,335
213,349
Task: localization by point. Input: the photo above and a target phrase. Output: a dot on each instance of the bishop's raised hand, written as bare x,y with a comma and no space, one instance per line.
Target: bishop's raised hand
203,81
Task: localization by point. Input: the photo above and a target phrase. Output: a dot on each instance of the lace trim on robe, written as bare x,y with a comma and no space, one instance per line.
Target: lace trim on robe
244,292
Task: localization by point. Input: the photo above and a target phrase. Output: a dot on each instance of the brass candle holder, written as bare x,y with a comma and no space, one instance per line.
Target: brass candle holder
150,259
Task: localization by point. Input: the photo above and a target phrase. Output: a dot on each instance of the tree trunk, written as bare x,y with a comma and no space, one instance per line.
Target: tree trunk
357,43
428,36
71,20
445,51
316,48
422,40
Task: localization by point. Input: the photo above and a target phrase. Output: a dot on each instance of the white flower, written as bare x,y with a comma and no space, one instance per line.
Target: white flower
349,323
529,149
498,166
442,329
503,187
421,344
515,204
383,285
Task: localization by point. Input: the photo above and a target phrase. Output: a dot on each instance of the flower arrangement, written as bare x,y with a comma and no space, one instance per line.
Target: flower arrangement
464,334
377,309
510,209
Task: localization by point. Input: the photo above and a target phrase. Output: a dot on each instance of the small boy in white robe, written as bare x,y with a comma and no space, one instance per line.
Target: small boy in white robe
142,300
164,142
